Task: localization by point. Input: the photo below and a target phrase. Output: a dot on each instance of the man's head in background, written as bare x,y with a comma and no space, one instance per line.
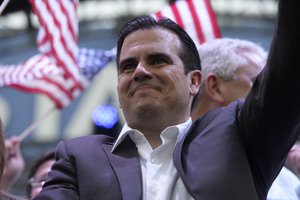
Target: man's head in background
38,173
229,68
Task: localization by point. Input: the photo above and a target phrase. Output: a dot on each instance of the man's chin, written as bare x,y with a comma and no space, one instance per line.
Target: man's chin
147,107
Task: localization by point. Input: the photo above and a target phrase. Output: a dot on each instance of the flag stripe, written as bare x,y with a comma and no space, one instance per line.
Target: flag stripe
177,15
42,87
43,41
66,35
188,19
204,20
53,31
213,20
196,17
196,20
70,12
158,15
166,12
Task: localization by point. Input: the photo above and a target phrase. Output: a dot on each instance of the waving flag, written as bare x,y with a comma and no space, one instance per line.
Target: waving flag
60,70
196,17
57,39
40,74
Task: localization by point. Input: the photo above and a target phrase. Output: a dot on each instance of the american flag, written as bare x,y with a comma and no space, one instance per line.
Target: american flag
60,70
41,74
91,61
57,39
196,17
58,32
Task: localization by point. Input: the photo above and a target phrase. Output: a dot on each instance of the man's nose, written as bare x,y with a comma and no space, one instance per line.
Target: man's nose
141,73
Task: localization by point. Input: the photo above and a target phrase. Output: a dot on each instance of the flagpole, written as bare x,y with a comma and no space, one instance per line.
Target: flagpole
3,5
32,126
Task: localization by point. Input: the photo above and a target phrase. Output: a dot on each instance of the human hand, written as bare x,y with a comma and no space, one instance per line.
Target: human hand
14,163
293,160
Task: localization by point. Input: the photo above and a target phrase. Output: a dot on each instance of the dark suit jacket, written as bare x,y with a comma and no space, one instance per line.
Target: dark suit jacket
232,153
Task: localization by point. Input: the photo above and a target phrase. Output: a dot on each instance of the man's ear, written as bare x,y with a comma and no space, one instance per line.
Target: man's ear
213,89
195,77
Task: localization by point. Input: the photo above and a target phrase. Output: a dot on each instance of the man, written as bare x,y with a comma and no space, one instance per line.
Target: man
226,154
157,79
38,173
229,68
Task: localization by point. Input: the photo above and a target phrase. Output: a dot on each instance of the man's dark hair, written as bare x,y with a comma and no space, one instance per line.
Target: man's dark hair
188,52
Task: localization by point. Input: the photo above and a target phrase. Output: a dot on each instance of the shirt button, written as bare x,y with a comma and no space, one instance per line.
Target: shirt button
153,160
153,190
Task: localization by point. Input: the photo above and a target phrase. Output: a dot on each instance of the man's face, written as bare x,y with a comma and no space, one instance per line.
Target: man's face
40,177
151,80
240,87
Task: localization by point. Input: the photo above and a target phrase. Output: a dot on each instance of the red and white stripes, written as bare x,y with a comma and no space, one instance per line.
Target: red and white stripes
196,17
55,71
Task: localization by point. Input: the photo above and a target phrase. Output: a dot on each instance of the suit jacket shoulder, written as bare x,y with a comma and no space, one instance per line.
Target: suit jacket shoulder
85,168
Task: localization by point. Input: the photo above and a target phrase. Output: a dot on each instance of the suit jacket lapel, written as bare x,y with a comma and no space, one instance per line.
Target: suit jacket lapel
126,164
199,128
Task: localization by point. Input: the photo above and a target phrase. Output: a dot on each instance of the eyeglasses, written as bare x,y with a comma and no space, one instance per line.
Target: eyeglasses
37,182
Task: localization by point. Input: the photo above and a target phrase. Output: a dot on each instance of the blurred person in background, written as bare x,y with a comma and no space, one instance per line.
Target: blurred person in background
14,163
38,173
4,156
14,167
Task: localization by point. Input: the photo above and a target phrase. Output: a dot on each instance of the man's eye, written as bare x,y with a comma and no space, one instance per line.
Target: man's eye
127,68
158,61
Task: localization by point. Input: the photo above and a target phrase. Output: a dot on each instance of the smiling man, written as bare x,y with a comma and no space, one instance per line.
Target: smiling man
153,83
160,154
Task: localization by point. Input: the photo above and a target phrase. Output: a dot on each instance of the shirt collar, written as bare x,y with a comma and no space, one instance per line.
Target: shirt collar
183,129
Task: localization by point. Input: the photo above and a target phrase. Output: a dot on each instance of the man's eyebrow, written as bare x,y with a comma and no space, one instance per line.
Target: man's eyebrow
160,55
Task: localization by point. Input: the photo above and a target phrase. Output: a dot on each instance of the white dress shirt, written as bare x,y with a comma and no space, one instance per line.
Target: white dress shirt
285,187
160,177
